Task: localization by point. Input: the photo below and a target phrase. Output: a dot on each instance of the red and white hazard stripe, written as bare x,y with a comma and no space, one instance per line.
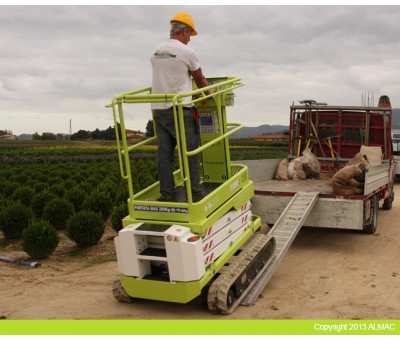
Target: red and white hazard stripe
209,231
209,259
208,246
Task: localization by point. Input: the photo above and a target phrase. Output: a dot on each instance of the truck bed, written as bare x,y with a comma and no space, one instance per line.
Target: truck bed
262,173
330,211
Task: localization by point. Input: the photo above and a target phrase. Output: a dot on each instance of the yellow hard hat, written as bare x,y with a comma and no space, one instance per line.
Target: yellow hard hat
186,19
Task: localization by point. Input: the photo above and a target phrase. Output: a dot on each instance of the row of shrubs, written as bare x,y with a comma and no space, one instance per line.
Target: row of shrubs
40,236
39,198
38,201
36,157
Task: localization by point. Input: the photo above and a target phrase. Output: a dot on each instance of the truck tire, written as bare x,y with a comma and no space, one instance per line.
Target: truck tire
371,220
387,203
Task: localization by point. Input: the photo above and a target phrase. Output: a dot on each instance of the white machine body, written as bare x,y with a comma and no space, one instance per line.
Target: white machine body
184,255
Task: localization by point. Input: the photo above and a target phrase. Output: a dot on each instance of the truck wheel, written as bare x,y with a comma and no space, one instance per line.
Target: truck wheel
119,292
387,203
371,220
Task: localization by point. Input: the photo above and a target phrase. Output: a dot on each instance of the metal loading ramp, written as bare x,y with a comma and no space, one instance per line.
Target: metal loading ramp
284,231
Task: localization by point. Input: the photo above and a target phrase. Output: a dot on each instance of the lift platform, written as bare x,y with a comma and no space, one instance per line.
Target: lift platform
171,251
177,251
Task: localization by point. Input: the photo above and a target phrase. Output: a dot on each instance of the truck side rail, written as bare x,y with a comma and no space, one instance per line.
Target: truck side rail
337,132
341,107
376,177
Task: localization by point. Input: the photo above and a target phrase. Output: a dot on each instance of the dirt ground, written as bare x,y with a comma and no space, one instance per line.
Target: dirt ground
326,274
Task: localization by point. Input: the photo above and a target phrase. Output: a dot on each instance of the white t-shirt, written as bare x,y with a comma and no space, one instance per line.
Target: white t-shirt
171,62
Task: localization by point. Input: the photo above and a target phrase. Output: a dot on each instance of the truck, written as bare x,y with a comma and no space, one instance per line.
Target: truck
396,150
178,251
335,134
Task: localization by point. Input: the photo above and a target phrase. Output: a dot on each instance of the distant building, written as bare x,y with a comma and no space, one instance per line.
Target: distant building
4,134
270,137
134,136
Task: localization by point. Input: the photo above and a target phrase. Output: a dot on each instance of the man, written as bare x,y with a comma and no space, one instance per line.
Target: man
174,64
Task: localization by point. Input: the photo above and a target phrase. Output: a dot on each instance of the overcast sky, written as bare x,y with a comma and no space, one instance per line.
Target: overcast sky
62,63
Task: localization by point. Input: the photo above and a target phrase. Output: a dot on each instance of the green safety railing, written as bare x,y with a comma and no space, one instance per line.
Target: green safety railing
144,95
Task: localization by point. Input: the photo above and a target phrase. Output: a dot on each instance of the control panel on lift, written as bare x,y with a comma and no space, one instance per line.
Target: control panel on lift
209,122
212,124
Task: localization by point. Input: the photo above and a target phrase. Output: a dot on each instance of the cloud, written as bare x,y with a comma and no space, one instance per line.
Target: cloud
68,61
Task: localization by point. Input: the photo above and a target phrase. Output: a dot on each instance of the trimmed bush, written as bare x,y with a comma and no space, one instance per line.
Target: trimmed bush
57,212
69,184
76,196
41,178
85,228
23,194
108,186
9,188
79,177
39,240
58,189
54,180
40,186
21,178
14,219
123,192
118,214
99,201
94,181
40,200
3,203
85,186
145,178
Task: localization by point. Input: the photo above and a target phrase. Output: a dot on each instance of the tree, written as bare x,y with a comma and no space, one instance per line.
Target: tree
80,135
109,134
96,134
149,129
36,136
48,136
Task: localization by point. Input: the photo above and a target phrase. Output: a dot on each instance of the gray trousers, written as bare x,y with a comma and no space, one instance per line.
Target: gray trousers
165,130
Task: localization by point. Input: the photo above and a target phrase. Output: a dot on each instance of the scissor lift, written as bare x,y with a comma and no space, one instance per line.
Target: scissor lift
173,251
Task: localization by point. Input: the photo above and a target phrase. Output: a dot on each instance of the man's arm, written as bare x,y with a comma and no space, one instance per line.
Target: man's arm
199,79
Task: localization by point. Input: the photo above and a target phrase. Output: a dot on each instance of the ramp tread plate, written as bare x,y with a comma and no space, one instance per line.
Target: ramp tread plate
284,231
